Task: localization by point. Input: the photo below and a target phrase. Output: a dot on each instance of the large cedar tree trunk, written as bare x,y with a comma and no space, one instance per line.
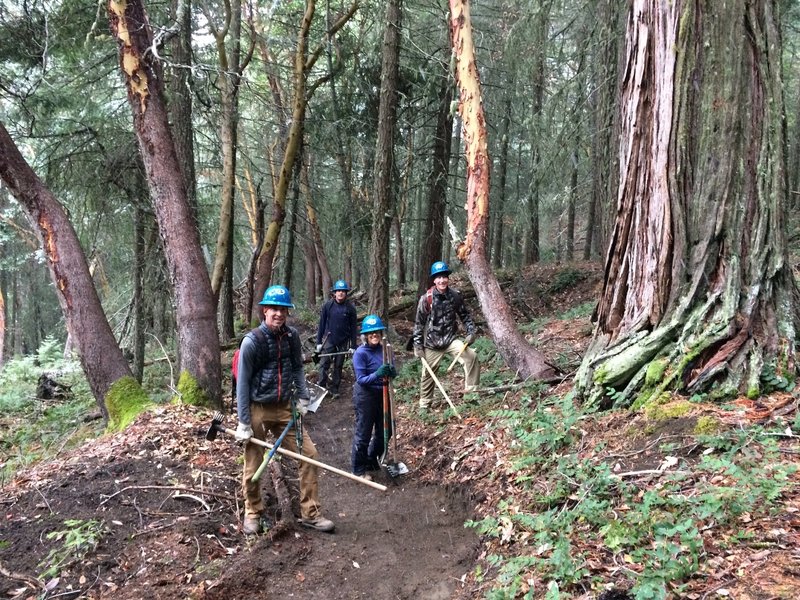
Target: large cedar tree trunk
383,194
87,326
196,315
515,350
698,295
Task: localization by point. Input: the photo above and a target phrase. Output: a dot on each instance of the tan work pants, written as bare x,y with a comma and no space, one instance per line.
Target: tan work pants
472,370
274,418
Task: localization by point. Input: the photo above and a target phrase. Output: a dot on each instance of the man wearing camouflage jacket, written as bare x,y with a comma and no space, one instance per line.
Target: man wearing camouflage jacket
435,327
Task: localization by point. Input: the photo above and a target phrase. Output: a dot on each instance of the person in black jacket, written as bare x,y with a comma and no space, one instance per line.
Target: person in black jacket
435,328
270,373
337,334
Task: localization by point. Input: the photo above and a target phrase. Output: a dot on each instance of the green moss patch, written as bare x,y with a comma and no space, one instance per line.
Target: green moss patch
190,392
707,425
672,410
125,401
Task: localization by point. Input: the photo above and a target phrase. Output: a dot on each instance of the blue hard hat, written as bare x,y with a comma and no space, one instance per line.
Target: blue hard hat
372,323
277,295
439,267
341,286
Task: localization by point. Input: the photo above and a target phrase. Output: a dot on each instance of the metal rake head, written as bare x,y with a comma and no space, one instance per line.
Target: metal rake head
396,469
216,425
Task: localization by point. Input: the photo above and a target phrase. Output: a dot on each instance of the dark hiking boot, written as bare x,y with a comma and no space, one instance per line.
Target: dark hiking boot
319,523
251,525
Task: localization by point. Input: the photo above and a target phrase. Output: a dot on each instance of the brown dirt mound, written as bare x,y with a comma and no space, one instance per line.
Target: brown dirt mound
170,507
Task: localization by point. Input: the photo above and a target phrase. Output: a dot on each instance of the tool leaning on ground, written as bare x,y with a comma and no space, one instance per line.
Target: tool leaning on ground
455,360
216,427
394,468
439,385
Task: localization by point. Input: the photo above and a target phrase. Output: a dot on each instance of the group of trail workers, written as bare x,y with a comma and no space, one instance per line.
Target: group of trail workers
272,394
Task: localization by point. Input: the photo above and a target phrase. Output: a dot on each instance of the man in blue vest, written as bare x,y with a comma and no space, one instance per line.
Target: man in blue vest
270,375
337,334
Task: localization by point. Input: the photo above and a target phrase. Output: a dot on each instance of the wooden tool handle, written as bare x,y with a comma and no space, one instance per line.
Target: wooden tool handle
310,461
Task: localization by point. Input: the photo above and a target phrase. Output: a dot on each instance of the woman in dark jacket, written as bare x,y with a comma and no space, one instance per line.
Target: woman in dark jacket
372,374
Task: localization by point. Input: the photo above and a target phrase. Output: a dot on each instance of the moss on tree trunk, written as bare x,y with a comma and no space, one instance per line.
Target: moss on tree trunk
697,278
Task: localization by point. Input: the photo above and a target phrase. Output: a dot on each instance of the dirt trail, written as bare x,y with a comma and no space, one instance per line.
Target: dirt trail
170,505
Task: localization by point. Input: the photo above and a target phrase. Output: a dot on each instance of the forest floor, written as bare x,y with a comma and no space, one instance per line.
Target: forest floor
155,511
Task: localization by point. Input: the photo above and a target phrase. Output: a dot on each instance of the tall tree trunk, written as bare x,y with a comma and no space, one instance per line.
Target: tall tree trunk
196,315
399,215
603,102
517,353
314,233
2,322
231,69
539,81
383,194
180,105
303,63
697,279
344,158
17,304
497,253
310,263
433,223
100,356
139,265
292,233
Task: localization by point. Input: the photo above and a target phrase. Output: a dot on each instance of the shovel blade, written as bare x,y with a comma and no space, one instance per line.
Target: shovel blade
317,393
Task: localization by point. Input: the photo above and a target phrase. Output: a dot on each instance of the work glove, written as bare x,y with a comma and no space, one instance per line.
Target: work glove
468,341
384,370
419,352
302,406
243,432
392,371
319,348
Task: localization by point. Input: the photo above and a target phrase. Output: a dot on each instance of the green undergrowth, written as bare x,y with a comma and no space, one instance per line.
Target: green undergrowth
36,429
563,507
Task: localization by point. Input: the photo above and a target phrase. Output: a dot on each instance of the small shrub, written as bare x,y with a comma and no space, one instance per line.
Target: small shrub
565,279
76,541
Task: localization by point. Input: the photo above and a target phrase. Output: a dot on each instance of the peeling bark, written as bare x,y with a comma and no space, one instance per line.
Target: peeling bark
696,274
515,350
194,303
87,326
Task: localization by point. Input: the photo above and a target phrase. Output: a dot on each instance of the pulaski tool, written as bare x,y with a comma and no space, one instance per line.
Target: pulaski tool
217,427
